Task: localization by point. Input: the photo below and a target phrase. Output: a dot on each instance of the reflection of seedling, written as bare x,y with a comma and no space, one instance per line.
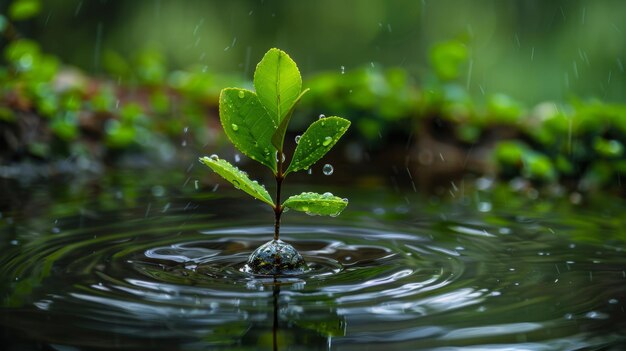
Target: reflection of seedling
256,124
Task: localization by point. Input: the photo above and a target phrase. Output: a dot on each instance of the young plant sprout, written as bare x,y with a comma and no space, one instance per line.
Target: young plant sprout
256,123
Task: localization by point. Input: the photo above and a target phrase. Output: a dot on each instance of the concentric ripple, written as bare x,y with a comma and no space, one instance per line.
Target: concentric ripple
176,283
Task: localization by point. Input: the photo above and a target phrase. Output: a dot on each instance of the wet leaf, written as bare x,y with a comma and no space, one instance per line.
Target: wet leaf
238,178
278,83
247,125
320,137
317,204
279,135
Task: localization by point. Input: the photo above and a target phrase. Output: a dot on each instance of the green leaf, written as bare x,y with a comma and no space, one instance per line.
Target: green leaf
238,178
279,135
247,125
278,83
24,9
318,204
320,137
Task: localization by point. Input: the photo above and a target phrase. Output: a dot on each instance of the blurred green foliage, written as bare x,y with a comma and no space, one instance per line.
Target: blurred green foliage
24,9
138,103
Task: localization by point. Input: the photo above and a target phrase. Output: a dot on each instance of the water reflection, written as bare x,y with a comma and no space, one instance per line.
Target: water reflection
396,280
291,328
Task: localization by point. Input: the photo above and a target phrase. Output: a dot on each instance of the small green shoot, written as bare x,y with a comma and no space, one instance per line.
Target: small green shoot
256,123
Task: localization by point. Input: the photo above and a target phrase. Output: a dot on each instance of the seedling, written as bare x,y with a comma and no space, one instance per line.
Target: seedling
256,123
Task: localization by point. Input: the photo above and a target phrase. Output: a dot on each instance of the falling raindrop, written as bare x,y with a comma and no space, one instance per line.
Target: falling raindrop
237,158
328,169
298,138
343,69
310,171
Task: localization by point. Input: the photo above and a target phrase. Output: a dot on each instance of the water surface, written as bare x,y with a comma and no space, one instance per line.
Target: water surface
128,265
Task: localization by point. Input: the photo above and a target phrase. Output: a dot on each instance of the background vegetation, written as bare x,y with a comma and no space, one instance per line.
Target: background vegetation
527,90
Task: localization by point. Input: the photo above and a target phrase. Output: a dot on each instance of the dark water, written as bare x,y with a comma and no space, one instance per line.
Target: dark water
138,266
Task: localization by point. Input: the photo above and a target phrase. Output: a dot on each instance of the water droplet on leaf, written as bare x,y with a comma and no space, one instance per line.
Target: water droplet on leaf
327,141
298,138
241,94
276,157
328,169
322,116
235,127
214,157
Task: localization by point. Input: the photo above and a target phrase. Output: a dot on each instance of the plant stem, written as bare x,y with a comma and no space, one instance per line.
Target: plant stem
278,209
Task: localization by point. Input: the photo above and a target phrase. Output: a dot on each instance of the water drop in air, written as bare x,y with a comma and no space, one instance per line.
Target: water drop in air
328,169
343,69
298,138
237,158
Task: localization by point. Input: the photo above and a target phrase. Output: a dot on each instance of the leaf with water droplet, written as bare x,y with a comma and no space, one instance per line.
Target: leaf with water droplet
247,124
278,138
278,83
319,204
238,178
309,150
